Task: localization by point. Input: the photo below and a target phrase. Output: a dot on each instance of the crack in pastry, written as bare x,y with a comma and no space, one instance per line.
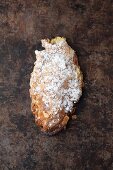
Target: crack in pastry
55,84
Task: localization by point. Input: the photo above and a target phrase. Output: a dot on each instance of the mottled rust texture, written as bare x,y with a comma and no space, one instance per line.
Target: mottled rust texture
87,144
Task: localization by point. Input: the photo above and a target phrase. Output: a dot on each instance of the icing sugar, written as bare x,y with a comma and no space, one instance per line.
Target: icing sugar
57,79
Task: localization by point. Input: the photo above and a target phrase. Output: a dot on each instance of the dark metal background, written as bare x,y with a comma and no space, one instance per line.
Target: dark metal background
87,144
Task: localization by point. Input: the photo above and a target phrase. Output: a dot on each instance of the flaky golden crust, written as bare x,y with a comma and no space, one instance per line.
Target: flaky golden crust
44,121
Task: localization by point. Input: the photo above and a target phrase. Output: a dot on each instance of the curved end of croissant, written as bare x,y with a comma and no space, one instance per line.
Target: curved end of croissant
54,130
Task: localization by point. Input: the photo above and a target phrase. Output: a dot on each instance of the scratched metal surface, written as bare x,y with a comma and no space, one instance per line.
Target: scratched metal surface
87,144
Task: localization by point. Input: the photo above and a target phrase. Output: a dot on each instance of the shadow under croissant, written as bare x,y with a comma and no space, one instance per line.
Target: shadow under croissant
55,132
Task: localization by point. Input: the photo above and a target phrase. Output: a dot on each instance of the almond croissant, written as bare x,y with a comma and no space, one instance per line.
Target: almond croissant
55,84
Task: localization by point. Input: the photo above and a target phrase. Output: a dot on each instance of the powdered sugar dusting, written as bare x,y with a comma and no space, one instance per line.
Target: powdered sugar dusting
55,77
